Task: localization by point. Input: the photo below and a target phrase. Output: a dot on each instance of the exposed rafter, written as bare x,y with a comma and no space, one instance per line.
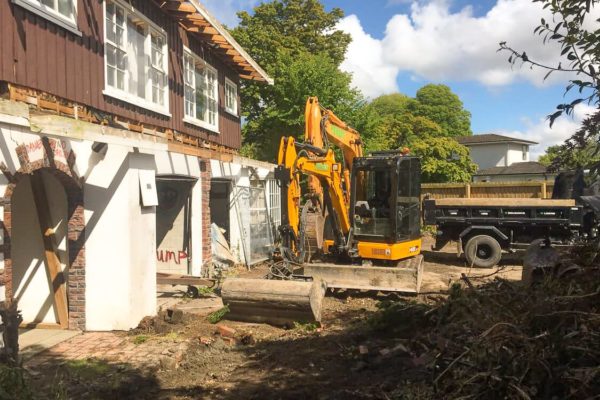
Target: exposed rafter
195,19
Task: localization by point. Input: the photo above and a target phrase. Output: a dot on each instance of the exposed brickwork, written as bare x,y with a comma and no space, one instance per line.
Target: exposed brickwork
205,176
75,229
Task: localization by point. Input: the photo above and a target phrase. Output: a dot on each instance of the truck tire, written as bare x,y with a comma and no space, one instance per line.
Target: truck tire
483,251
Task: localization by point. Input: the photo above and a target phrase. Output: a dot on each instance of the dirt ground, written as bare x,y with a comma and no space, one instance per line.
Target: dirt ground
344,358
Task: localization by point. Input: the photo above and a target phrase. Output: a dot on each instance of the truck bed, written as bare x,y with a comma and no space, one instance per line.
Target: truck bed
504,211
503,202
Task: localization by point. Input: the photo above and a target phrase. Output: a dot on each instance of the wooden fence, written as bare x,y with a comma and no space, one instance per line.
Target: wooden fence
529,189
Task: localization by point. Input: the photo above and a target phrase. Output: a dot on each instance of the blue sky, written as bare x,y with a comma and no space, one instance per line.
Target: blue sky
401,45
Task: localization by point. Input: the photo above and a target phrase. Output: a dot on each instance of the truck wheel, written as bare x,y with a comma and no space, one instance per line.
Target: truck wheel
483,251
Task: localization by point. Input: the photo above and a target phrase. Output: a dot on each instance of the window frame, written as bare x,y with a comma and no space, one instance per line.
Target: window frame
193,120
150,28
235,110
52,15
524,151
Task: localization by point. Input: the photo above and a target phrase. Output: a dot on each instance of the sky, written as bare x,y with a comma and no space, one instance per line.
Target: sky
401,45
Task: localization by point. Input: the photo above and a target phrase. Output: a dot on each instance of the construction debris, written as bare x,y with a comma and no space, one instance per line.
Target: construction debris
221,253
502,340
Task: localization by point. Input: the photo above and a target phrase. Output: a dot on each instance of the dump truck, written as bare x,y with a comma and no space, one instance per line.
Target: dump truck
356,225
486,228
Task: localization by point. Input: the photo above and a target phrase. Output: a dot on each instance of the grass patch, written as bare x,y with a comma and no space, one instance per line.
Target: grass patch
217,315
204,291
306,326
88,368
139,339
173,336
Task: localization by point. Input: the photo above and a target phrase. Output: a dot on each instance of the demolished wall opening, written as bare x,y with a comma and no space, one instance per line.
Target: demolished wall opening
173,223
220,194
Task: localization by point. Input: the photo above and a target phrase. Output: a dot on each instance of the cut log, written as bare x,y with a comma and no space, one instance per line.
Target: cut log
274,302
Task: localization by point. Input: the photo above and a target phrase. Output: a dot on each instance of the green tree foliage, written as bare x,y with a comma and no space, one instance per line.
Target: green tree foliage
283,110
443,159
297,44
439,104
399,121
571,158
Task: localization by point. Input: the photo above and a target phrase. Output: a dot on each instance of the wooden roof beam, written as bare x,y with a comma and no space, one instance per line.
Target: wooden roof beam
183,7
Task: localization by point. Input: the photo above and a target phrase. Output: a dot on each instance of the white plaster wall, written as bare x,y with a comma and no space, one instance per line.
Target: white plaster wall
515,154
120,234
487,156
30,272
120,243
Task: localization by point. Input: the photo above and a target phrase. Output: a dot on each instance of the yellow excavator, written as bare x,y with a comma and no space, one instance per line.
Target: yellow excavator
359,227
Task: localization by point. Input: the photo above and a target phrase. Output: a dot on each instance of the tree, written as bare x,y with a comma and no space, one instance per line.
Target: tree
296,42
443,159
572,28
439,104
571,158
283,115
401,121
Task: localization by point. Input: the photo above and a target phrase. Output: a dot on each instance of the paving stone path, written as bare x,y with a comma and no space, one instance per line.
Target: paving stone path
113,347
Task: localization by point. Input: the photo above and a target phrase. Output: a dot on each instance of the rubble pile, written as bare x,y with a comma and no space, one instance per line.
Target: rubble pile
502,340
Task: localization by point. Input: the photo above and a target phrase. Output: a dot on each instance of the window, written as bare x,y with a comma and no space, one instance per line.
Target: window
201,92
231,105
135,58
61,12
524,150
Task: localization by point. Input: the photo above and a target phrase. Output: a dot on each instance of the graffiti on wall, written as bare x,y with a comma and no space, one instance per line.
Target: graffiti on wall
36,150
170,255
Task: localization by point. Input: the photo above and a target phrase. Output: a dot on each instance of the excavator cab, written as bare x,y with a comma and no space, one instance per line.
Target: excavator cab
385,206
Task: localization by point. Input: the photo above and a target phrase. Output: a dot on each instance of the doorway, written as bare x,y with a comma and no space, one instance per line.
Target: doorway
173,223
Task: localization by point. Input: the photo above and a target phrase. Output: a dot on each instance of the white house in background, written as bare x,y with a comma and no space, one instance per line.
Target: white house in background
503,159
516,172
491,150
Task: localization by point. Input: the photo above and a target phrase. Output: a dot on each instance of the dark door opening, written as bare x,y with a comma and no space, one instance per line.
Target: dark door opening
220,191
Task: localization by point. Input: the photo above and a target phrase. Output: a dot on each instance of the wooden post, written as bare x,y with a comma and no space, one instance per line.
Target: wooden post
544,190
468,190
57,281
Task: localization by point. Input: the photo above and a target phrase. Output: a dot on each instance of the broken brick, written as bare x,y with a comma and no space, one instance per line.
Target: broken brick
226,331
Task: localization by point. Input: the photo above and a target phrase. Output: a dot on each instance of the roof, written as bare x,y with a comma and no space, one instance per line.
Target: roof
489,138
196,19
529,167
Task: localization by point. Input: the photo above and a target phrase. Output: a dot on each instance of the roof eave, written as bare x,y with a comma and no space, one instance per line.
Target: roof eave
499,142
222,31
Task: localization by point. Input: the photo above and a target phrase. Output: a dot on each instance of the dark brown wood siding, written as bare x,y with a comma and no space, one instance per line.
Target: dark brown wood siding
39,54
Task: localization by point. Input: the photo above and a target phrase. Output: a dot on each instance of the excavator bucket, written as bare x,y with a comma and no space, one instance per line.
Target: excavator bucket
405,277
276,302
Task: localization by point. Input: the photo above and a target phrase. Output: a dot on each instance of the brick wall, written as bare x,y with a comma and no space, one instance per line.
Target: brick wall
205,176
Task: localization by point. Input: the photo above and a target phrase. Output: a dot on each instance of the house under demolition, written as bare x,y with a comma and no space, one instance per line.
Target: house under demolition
119,132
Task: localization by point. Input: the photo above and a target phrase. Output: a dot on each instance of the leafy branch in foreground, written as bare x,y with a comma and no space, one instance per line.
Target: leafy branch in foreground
572,27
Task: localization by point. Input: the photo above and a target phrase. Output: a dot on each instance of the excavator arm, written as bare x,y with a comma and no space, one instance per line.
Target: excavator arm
296,159
322,126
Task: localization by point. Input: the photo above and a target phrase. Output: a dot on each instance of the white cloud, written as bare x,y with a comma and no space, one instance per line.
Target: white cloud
436,44
365,59
541,132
